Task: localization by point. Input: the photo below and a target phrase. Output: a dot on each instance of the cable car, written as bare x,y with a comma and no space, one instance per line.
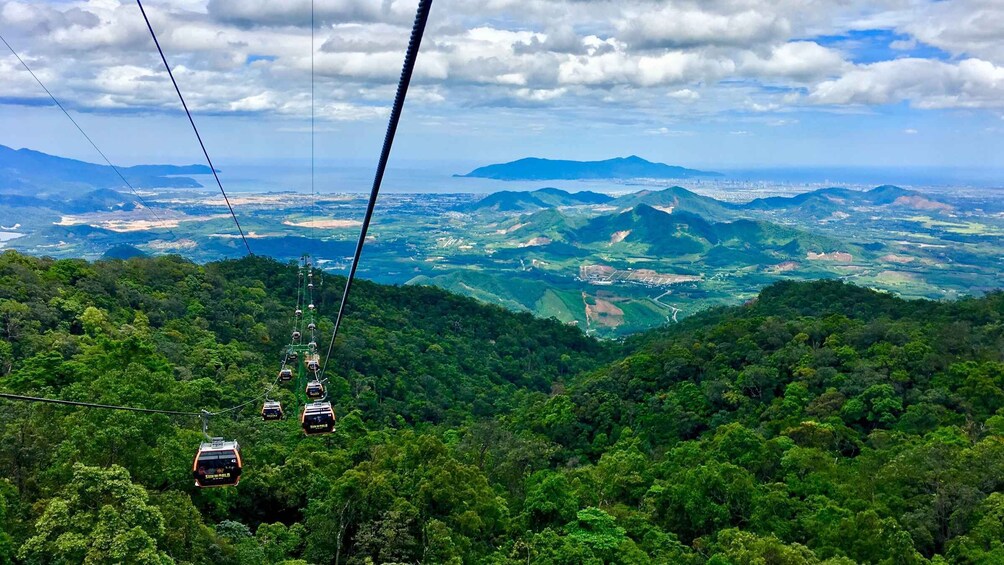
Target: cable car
310,306
286,375
312,345
311,326
318,418
296,335
271,410
292,356
313,362
217,464
315,389
310,285
298,312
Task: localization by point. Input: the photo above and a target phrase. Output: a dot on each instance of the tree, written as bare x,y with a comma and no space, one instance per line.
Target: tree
985,541
279,542
6,520
550,500
597,530
186,537
735,546
101,517
697,501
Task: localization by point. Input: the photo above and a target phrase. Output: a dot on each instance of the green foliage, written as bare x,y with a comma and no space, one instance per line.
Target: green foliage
549,501
101,517
821,423
734,546
7,549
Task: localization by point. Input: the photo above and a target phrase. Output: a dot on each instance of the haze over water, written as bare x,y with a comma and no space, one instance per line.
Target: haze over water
438,178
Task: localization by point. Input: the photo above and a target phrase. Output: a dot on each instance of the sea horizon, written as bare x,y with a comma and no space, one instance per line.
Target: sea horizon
441,179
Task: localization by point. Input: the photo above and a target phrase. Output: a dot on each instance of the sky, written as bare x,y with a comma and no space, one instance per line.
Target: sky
702,83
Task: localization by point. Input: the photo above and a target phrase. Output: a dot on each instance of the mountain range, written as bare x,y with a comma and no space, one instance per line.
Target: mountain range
28,172
828,200
513,201
532,168
818,204
664,234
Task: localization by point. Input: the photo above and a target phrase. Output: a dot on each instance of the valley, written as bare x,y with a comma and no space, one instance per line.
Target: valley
609,265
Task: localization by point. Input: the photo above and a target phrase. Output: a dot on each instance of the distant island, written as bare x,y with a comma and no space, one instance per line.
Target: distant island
633,167
28,172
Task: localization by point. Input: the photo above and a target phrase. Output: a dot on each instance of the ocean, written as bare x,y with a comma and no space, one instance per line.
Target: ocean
438,178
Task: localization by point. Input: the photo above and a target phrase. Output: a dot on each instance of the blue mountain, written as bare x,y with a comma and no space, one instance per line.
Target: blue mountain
27,172
631,167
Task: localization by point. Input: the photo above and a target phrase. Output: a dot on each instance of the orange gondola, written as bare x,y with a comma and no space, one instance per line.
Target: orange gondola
318,418
217,464
315,390
271,410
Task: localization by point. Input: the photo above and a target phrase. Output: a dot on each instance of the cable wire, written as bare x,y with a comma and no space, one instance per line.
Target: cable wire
417,31
105,406
242,405
87,137
202,413
192,121
313,193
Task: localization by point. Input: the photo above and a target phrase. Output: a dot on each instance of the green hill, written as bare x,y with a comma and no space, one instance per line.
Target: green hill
680,200
123,252
548,223
820,423
557,197
815,204
664,234
515,201
824,202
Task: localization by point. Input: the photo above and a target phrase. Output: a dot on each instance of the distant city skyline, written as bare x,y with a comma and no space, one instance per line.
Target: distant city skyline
716,84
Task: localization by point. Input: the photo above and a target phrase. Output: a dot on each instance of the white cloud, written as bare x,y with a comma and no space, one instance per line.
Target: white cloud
297,12
903,44
780,122
254,103
669,132
540,95
685,58
341,111
961,27
685,94
676,26
797,60
927,84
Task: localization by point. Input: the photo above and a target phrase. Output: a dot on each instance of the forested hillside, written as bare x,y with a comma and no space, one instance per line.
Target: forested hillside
821,423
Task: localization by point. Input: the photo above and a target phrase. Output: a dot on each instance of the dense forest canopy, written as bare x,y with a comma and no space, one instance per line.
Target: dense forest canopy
820,423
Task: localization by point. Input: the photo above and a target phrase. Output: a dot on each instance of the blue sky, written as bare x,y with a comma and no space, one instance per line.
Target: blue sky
714,83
